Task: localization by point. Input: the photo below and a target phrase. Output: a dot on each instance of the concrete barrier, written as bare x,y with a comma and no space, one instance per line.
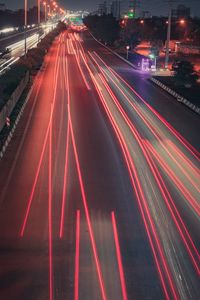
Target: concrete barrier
8,107
178,97
2,151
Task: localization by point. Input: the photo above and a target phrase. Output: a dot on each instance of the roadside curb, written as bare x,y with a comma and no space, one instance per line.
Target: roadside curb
178,97
115,53
10,135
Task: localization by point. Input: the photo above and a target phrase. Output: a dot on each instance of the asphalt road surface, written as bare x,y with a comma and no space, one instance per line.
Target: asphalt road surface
99,187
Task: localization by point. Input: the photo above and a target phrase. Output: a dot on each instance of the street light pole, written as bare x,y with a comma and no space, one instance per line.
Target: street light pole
168,36
38,12
45,10
25,25
127,49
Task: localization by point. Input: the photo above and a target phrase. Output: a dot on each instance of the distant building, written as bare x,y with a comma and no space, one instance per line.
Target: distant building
181,12
103,9
145,14
2,6
115,9
119,8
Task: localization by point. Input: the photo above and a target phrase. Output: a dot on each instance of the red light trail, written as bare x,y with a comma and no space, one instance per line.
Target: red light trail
50,213
119,258
43,151
77,254
158,153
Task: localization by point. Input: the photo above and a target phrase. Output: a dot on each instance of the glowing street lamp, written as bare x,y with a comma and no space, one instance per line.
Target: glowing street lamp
127,51
182,22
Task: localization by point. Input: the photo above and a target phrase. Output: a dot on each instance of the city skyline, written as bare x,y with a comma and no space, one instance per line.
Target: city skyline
155,7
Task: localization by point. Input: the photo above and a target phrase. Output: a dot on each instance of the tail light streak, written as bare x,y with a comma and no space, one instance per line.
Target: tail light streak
182,140
50,212
119,258
42,154
195,205
159,185
99,272
84,198
175,179
76,273
130,167
66,79
80,69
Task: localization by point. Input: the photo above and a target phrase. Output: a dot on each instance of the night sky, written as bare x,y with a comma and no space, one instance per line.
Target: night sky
156,7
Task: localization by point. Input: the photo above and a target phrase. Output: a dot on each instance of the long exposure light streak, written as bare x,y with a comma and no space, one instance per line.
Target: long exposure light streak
175,179
119,258
129,164
177,218
133,130
42,152
166,200
50,212
80,69
183,141
159,139
77,254
99,272
84,198
66,79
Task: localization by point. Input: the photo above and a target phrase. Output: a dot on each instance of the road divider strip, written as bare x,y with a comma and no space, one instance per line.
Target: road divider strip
177,96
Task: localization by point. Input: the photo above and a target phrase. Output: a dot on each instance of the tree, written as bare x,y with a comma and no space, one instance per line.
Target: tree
106,27
184,73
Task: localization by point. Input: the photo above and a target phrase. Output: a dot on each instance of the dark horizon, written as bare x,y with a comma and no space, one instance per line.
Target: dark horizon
155,8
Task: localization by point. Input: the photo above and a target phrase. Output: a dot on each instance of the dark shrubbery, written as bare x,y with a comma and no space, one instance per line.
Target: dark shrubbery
9,82
106,28
184,73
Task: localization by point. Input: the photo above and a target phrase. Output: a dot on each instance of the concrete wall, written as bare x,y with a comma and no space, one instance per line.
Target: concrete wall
8,108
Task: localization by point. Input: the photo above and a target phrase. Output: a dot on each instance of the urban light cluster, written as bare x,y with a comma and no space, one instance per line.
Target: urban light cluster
51,8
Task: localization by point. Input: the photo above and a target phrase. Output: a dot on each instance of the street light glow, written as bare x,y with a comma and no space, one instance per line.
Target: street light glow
182,21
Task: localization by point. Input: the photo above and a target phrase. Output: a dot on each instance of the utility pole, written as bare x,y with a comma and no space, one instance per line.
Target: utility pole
45,10
25,24
38,12
119,10
168,34
134,6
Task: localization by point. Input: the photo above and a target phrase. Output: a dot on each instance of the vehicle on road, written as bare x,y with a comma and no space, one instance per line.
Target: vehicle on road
5,53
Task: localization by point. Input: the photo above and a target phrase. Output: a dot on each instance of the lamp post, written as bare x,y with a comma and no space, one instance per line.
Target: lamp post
38,12
127,49
25,25
168,36
45,10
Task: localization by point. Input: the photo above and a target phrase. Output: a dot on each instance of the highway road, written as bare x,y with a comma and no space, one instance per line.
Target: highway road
99,187
16,44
